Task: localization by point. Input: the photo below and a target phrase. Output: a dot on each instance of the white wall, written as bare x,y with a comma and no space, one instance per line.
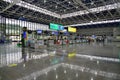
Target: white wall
29,25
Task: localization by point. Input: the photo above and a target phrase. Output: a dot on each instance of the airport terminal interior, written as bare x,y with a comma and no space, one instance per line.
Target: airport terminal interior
59,39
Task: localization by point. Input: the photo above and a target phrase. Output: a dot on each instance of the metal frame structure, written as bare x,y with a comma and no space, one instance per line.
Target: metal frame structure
66,12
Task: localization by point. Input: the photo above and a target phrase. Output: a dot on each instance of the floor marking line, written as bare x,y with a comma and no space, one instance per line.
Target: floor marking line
98,57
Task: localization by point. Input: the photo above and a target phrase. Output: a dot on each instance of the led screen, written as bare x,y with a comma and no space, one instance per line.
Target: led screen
39,31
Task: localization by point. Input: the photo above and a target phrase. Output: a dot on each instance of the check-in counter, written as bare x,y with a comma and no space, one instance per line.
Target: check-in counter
51,42
37,44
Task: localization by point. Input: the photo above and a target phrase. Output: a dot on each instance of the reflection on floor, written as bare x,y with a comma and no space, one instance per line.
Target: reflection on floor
84,61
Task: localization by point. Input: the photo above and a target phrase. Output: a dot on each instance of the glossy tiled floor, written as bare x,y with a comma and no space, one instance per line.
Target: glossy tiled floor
95,61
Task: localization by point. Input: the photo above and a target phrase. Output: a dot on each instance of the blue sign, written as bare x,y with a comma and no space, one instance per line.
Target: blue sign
66,33
61,27
39,31
55,33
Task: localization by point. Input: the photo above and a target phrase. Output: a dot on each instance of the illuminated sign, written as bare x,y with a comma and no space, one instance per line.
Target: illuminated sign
70,29
39,31
55,33
61,27
56,26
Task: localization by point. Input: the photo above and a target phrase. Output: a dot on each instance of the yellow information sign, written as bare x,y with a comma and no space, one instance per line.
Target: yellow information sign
71,29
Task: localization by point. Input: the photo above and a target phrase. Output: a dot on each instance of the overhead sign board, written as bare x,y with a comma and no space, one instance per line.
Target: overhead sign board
56,26
71,29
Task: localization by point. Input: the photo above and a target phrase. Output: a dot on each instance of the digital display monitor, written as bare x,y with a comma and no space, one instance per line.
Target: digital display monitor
55,33
66,33
39,31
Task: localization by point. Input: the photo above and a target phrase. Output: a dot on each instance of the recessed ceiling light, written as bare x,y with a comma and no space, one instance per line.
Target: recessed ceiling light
55,69
92,3
77,7
69,2
96,73
56,6
76,74
91,22
65,71
97,62
44,1
56,76
34,78
91,78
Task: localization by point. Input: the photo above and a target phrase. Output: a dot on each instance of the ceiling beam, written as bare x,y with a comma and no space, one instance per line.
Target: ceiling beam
93,10
107,8
44,11
13,2
98,22
85,7
9,6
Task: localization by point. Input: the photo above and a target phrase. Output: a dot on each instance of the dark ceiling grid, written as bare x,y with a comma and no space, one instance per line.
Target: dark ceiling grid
74,20
95,5
68,21
66,6
34,17
107,15
77,19
115,13
81,19
101,16
65,21
13,8
84,5
118,9
16,9
105,3
3,5
72,7
83,8
32,12
87,8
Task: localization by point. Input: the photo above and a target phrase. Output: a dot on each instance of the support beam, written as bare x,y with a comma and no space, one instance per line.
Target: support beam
83,12
13,2
92,23
93,10
9,6
85,7
107,8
